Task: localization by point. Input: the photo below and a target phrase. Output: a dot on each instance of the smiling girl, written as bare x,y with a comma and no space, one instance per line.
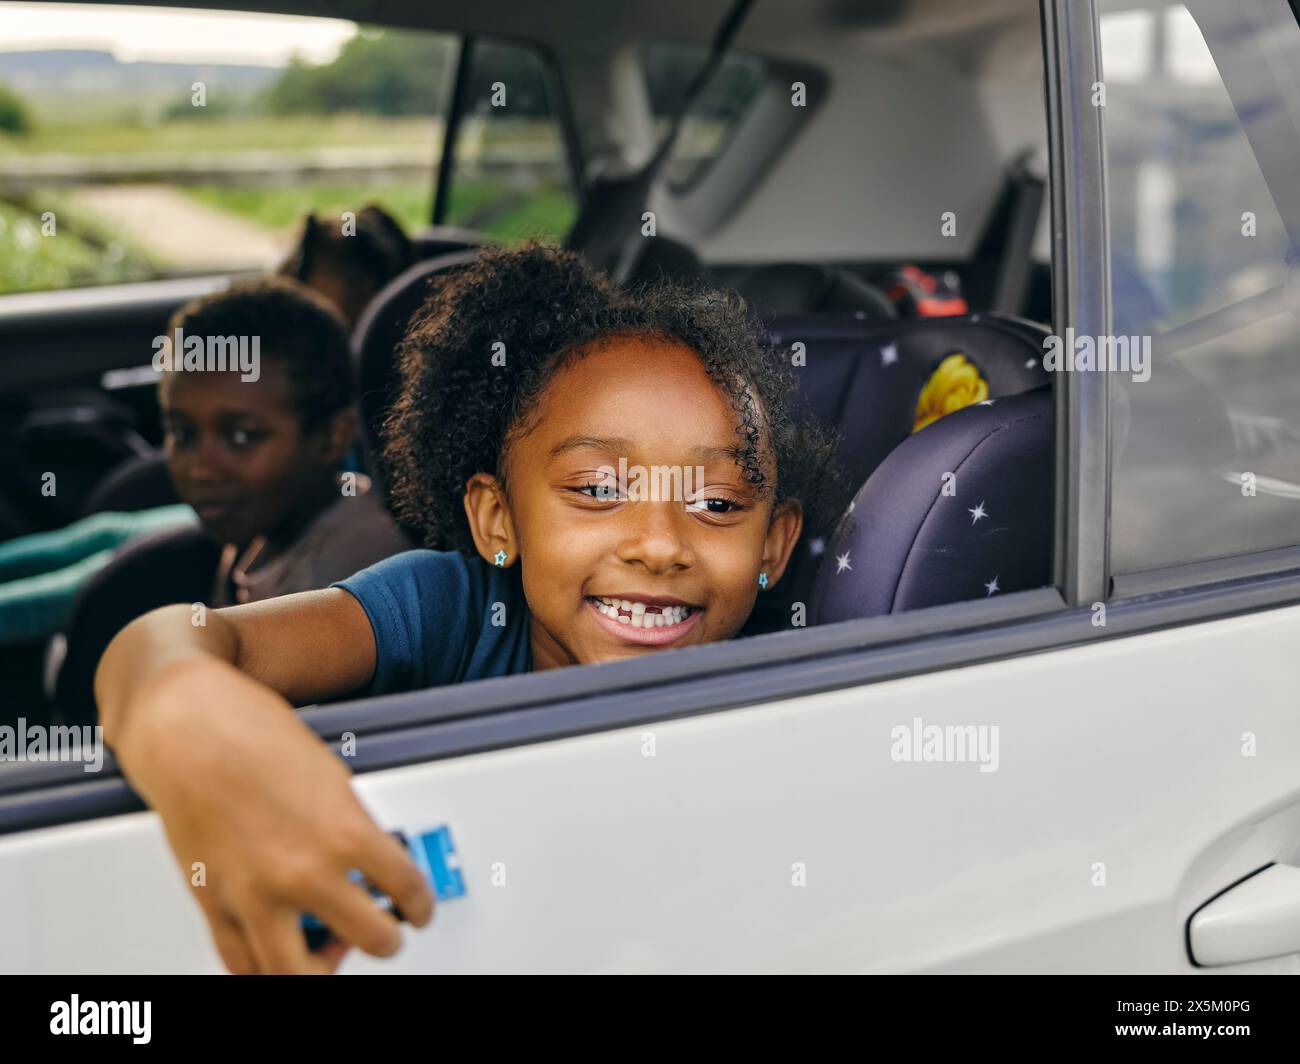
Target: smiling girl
527,382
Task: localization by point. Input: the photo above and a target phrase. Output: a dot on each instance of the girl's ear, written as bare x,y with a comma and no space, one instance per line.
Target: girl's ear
490,523
783,534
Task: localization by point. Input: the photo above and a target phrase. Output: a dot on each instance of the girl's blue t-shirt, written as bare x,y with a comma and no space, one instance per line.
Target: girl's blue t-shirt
441,617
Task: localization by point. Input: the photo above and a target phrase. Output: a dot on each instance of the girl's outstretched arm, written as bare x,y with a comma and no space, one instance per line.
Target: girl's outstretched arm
259,813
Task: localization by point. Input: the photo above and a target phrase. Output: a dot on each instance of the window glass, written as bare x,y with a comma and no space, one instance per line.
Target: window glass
709,124
148,143
510,176
1207,443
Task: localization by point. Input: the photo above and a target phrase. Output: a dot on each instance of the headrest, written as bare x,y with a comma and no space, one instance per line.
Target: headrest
173,565
380,331
865,377
961,510
138,483
437,240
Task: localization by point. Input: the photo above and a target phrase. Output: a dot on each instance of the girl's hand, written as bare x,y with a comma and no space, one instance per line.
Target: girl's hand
263,821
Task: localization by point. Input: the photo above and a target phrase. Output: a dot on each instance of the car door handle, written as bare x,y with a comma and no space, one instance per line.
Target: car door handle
1257,918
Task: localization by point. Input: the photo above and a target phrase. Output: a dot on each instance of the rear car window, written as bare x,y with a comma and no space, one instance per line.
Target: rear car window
713,118
146,143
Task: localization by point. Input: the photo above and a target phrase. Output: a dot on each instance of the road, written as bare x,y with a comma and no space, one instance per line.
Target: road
179,232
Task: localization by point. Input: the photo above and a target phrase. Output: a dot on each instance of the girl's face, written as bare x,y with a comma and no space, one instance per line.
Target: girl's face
667,558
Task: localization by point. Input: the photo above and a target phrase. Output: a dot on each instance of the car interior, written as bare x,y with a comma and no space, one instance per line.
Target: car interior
870,177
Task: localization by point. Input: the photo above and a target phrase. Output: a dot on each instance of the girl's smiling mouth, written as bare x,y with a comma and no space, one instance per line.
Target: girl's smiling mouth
645,621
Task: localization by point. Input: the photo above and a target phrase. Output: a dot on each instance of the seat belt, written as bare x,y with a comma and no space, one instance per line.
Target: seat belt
609,221
1011,290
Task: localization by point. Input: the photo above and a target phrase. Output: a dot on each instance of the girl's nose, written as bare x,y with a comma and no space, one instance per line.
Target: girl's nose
654,537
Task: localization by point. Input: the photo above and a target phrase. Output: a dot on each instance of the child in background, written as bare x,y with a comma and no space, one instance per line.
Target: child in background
515,462
349,267
42,573
259,461
256,462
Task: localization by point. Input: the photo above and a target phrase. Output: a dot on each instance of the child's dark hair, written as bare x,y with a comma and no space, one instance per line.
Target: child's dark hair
298,329
459,406
375,252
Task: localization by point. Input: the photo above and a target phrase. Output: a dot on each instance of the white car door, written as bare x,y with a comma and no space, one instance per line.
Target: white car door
785,836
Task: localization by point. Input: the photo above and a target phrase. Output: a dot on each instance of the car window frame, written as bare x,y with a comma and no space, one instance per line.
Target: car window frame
422,726
556,95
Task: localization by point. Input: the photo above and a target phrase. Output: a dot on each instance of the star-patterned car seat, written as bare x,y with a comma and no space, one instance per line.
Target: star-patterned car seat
961,510
865,377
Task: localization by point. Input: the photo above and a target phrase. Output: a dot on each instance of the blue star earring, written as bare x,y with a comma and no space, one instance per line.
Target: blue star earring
500,558
762,579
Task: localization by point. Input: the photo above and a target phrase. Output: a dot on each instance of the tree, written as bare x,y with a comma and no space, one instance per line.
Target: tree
378,73
14,114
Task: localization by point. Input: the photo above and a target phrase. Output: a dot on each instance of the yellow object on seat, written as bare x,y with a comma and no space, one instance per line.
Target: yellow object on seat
955,384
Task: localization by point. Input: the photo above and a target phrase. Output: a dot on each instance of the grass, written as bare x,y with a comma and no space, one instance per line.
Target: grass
544,213
283,208
79,253
289,133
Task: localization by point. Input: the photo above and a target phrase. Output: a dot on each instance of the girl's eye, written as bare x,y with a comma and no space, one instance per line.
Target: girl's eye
180,437
715,505
601,491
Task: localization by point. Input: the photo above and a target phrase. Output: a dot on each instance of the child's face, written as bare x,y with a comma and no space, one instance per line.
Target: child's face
237,453
688,565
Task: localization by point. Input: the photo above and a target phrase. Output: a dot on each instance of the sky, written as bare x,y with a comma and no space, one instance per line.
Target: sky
171,34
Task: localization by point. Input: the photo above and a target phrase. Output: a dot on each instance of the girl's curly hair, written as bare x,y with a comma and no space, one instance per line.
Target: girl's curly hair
458,410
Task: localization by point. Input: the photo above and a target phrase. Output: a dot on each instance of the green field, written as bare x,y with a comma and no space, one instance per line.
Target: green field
484,205
94,249
80,253
287,133
283,208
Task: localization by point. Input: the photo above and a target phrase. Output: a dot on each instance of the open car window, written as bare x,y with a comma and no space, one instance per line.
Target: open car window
1202,264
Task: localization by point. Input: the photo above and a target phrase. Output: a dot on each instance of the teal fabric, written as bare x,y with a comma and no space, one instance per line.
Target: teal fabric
41,574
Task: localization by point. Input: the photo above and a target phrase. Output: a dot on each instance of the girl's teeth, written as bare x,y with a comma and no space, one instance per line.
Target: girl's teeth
638,615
